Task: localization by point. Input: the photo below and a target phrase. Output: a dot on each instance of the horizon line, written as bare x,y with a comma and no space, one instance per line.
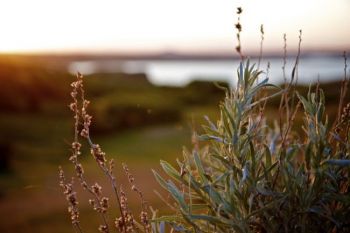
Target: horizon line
173,54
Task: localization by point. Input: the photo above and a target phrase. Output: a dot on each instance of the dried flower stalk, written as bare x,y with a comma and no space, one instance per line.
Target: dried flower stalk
71,197
82,121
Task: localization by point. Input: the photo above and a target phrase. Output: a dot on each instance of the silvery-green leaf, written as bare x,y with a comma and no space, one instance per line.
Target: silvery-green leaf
172,172
162,227
339,162
200,168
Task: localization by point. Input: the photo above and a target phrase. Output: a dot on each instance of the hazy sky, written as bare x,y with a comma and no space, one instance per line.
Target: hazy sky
164,25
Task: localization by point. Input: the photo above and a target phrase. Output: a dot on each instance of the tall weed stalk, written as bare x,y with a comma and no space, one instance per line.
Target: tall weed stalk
100,203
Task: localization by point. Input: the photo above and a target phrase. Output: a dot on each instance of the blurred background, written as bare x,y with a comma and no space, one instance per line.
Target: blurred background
149,68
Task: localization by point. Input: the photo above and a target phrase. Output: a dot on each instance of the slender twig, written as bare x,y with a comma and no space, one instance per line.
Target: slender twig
71,198
144,214
284,58
295,68
289,101
290,124
239,29
284,97
344,88
261,44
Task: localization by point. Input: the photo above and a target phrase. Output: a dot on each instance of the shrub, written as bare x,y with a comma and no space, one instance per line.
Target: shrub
252,177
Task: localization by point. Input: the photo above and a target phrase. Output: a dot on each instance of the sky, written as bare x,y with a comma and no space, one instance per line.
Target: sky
183,26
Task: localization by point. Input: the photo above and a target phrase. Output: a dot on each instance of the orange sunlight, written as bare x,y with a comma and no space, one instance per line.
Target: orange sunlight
157,25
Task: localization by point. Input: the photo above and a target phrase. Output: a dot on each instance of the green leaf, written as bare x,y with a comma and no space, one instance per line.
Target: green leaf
321,212
211,124
200,168
216,198
213,220
160,180
170,170
177,195
267,156
306,104
207,137
221,178
268,170
252,156
308,156
168,218
232,125
339,162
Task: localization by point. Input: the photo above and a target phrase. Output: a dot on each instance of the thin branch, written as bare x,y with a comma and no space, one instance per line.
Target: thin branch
261,44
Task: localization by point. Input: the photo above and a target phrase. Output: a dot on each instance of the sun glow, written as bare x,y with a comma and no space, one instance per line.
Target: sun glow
158,25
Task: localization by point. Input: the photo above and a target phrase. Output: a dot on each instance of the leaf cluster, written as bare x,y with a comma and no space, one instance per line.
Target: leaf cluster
250,177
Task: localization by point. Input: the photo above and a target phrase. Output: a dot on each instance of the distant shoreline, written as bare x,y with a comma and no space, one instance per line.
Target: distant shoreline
69,57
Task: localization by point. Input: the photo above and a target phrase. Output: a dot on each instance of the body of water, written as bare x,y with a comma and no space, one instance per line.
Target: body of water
182,72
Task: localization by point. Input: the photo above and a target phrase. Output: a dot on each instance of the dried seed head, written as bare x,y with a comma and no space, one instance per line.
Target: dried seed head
103,228
74,215
123,201
70,197
73,158
97,189
79,169
129,222
238,26
262,29
98,154
111,166
74,94
238,49
73,107
86,117
84,133
344,119
77,84
125,223
87,121
61,176
130,176
104,204
145,221
76,146
86,103
134,188
119,224
92,202
84,184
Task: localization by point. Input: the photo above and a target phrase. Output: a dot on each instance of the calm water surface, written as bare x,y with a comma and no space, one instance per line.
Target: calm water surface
179,73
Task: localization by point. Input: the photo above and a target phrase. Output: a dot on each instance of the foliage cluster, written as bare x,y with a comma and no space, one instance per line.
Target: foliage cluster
255,177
